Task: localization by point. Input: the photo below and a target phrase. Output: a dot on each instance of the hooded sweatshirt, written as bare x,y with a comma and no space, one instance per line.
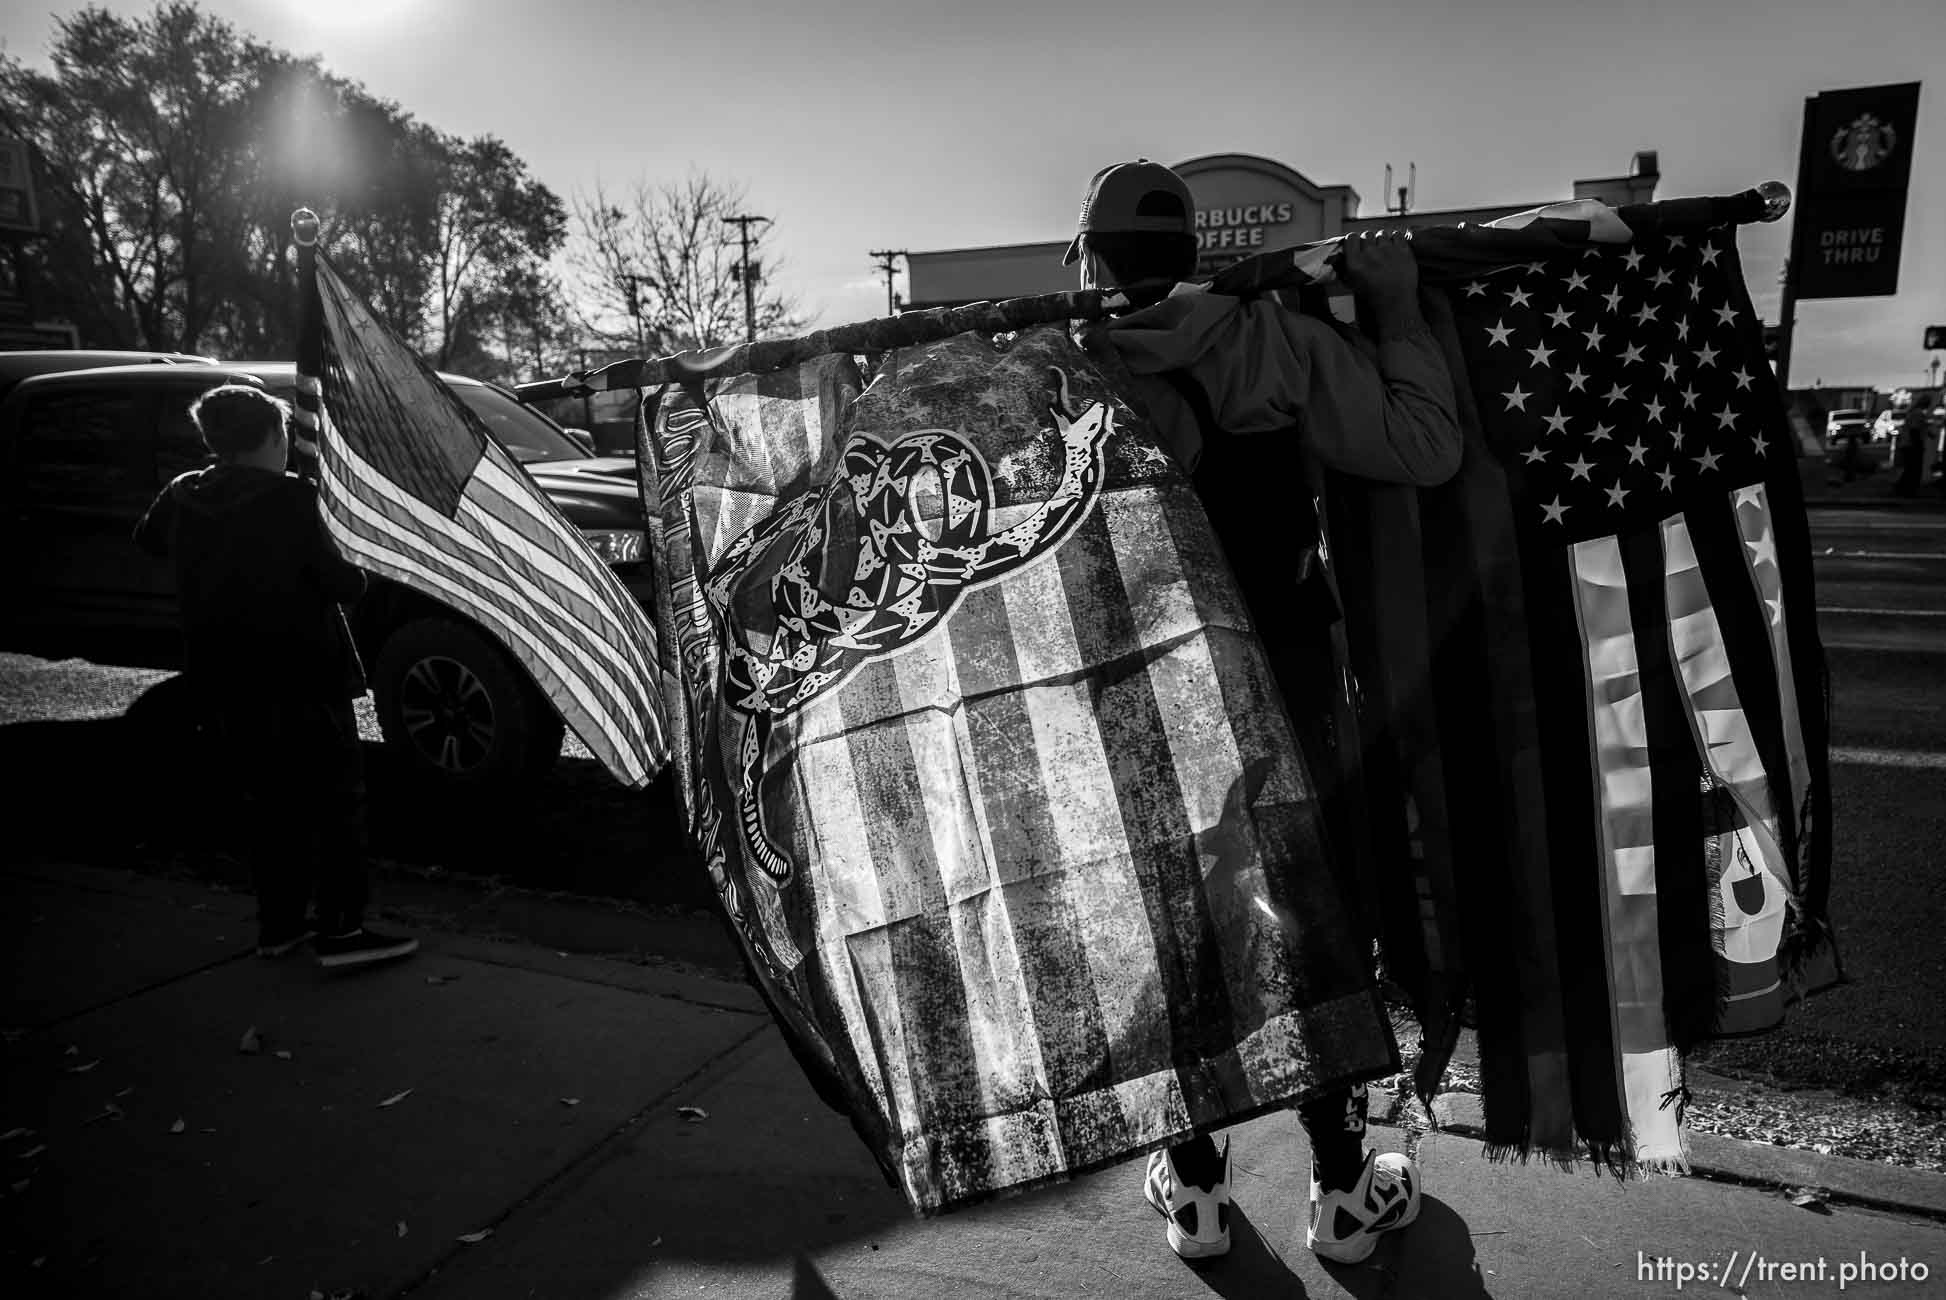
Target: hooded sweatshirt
259,582
1379,409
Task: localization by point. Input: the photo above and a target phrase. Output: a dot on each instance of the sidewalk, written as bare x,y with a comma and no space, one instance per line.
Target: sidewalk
394,1116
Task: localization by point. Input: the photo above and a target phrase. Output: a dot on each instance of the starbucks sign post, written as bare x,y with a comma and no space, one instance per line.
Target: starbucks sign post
1854,162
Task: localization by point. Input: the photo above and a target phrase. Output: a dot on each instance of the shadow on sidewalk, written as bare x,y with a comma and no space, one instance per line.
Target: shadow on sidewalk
1432,1257
128,790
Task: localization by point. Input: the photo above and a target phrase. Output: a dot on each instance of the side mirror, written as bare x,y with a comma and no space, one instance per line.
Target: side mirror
582,439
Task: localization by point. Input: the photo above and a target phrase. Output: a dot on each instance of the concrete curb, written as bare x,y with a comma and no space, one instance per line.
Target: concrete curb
1851,1181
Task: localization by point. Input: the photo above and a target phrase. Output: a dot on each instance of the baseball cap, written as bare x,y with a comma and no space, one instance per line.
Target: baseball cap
1132,197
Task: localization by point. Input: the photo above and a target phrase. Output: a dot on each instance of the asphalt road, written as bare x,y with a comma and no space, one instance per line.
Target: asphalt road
1881,590
94,774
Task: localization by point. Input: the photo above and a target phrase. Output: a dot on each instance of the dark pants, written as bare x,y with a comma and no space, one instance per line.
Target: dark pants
1333,1121
297,766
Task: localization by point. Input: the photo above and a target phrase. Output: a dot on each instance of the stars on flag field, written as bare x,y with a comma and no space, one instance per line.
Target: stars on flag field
1625,377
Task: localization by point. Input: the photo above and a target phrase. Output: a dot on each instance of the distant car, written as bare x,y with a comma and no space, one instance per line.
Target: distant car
1843,424
83,452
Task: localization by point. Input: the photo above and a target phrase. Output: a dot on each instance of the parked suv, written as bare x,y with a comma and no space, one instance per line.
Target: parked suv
83,452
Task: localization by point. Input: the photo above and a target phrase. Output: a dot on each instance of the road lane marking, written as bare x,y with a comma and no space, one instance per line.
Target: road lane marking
1882,613
1889,758
1879,555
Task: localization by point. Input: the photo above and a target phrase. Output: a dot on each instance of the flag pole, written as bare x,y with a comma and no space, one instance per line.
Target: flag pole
310,346
1280,268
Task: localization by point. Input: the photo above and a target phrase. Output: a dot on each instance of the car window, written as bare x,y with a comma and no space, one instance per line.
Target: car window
85,448
526,435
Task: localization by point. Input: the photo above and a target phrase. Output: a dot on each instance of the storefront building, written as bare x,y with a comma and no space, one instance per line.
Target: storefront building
1244,205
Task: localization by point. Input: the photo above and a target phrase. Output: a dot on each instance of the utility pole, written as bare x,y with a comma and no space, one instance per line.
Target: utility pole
747,272
886,256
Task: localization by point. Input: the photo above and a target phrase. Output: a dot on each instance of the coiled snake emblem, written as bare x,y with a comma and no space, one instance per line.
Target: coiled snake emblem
869,564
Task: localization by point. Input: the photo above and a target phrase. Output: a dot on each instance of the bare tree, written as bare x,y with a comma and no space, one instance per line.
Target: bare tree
660,269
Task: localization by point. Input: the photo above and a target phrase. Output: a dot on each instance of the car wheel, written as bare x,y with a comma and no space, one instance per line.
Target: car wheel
458,711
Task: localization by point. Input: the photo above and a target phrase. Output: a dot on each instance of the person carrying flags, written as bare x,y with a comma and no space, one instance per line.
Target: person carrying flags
1254,400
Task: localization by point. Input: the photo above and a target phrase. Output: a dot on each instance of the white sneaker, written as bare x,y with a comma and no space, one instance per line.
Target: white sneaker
1199,1219
1345,1226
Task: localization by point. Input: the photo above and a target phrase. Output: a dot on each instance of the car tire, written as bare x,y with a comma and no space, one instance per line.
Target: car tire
457,711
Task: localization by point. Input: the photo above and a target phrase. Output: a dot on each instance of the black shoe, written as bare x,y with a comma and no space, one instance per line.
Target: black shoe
362,948
281,943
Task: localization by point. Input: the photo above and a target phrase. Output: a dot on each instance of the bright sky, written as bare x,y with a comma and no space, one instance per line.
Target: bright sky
922,124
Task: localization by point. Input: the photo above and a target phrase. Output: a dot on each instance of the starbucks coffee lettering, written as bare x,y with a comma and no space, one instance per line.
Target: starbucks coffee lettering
1238,227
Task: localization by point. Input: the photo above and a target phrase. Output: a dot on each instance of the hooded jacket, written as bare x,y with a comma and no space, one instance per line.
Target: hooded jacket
259,582
1381,409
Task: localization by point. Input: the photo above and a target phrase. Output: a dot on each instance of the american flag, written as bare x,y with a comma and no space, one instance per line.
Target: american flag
414,488
1594,711
1033,878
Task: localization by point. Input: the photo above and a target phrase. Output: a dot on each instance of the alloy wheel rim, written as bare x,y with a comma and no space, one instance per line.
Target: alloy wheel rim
448,713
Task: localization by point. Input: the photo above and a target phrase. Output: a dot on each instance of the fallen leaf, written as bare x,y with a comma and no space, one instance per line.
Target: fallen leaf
13,1133
473,1238
21,1186
692,1113
655,1243
72,1050
570,1101
31,1152
83,1069
395,1099
282,1056
125,1091
110,1111
252,1042
265,1260
1810,1198
402,1227
178,1127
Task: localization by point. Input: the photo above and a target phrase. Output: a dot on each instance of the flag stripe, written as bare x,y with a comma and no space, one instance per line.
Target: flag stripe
850,912
919,943
1089,841
592,595
1048,862
1723,562
1161,850
1754,524
382,525
1570,809
1626,833
999,1019
1683,894
549,673
484,546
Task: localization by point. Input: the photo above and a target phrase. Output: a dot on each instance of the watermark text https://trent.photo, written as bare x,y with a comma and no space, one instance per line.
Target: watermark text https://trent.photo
1742,1267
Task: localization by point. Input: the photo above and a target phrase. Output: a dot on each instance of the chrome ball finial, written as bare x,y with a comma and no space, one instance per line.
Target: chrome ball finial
304,226
1777,199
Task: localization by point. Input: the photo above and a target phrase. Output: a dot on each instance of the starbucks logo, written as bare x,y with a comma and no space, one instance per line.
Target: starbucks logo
1864,144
